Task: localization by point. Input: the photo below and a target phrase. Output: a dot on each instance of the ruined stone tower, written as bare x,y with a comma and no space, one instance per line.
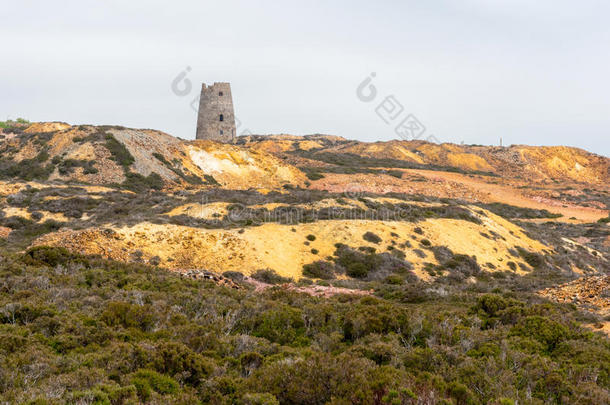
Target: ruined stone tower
216,119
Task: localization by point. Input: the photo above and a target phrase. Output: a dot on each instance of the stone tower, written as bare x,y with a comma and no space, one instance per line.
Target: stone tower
216,119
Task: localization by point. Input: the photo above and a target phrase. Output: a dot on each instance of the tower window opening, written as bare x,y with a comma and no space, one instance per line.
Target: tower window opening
222,117
221,132
220,93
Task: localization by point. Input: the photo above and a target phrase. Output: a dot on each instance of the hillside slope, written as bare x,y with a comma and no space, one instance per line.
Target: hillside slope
282,247
527,163
135,158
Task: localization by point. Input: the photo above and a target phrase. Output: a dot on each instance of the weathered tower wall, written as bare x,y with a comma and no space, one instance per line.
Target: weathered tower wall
216,118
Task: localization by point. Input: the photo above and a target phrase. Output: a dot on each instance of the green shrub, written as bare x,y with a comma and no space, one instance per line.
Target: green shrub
260,399
128,315
143,388
283,325
15,222
270,276
47,255
23,314
211,180
157,382
395,173
250,361
320,269
511,211
535,260
465,264
462,394
546,331
176,359
10,124
192,179
32,230
162,159
357,270
67,166
27,169
371,237
486,350
369,264
138,183
311,238
94,396
314,175
394,279
118,151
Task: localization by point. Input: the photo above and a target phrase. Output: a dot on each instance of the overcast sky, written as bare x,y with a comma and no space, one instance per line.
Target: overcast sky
533,72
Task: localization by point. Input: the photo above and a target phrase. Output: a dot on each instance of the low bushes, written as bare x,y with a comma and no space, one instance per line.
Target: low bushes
27,169
511,211
320,269
363,263
543,330
138,183
270,276
130,333
147,381
371,237
536,260
128,316
118,151
313,175
67,166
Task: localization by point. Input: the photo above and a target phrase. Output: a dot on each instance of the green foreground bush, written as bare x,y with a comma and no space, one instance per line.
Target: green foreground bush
75,329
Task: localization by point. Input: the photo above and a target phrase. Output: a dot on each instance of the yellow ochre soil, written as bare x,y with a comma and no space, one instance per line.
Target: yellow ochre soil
282,247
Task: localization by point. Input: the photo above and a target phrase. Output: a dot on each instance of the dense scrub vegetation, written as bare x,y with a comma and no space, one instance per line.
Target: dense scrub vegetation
10,125
37,168
362,263
173,166
75,329
315,173
511,211
352,163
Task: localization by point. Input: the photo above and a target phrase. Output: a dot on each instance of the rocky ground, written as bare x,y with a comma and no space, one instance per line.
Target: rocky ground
591,293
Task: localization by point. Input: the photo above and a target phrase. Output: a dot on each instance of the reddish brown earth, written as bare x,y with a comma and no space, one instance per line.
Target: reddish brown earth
314,290
588,293
592,293
259,286
454,185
